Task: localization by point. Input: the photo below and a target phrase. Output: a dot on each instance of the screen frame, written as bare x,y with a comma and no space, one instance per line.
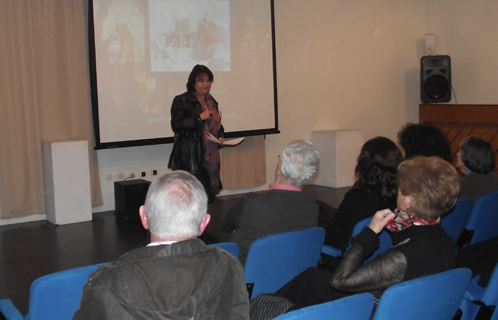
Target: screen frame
144,142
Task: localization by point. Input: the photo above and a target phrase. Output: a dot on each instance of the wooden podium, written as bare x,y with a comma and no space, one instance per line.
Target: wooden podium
457,121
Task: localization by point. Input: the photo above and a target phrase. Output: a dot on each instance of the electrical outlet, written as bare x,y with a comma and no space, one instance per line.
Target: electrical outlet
154,172
132,174
143,174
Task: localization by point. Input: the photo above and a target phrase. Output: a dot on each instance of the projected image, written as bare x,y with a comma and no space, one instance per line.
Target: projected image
145,50
185,33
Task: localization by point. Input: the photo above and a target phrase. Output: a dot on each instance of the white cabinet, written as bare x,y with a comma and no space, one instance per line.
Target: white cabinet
339,150
67,181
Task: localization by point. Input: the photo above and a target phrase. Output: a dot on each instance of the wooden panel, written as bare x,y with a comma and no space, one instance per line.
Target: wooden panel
462,120
459,113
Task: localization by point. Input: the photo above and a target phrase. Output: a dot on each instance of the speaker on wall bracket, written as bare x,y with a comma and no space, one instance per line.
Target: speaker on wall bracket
435,79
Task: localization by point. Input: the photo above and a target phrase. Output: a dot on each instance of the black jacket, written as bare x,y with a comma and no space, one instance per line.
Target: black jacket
416,252
260,214
185,280
188,150
357,205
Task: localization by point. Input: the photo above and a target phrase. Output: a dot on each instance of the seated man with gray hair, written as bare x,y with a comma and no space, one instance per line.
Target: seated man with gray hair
283,208
176,276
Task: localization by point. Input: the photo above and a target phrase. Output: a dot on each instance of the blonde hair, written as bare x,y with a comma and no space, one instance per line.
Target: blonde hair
432,182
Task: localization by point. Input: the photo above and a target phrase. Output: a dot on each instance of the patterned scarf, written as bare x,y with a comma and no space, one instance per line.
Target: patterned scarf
401,221
211,149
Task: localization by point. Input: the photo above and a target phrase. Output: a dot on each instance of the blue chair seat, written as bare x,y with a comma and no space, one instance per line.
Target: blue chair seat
54,296
274,260
481,300
231,247
433,297
454,221
483,221
355,307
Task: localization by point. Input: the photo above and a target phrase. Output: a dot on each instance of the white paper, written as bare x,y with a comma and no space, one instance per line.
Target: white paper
227,143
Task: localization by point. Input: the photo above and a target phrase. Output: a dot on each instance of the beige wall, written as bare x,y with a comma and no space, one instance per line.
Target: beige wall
468,34
354,65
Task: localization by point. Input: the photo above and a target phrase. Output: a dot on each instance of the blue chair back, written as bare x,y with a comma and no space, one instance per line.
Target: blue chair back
385,241
454,221
58,295
434,297
274,260
479,300
490,295
355,307
483,220
54,296
231,247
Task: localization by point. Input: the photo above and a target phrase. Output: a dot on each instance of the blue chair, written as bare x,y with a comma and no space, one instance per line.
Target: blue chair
479,302
483,221
355,307
274,260
385,241
434,297
54,296
331,251
454,221
231,247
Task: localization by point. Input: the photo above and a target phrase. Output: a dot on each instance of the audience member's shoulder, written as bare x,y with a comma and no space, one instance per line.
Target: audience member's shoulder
228,258
252,195
104,275
224,253
354,194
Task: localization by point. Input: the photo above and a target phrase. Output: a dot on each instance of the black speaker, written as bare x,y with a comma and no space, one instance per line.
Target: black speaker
435,79
129,196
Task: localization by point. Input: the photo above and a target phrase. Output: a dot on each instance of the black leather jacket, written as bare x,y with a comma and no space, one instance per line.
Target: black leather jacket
416,252
188,150
185,280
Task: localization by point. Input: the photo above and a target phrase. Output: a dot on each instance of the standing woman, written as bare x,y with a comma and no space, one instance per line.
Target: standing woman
194,114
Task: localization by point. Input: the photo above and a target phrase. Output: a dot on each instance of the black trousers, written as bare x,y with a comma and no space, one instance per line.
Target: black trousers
203,177
310,287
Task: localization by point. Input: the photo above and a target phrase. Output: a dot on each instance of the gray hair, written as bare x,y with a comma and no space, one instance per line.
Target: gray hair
175,205
300,161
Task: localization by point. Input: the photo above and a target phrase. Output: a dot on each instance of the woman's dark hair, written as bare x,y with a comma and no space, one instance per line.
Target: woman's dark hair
196,72
378,165
477,155
424,140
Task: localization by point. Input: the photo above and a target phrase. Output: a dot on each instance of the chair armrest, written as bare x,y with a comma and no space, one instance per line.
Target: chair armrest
331,251
465,237
9,311
474,290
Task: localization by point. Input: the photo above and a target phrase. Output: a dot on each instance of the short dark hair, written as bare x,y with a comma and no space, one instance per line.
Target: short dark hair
378,165
424,140
432,182
477,155
197,71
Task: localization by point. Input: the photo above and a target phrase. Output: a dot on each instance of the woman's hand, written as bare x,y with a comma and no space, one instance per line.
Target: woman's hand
380,219
222,140
205,114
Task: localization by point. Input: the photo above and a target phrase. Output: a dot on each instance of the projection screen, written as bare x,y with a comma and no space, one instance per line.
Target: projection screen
142,51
